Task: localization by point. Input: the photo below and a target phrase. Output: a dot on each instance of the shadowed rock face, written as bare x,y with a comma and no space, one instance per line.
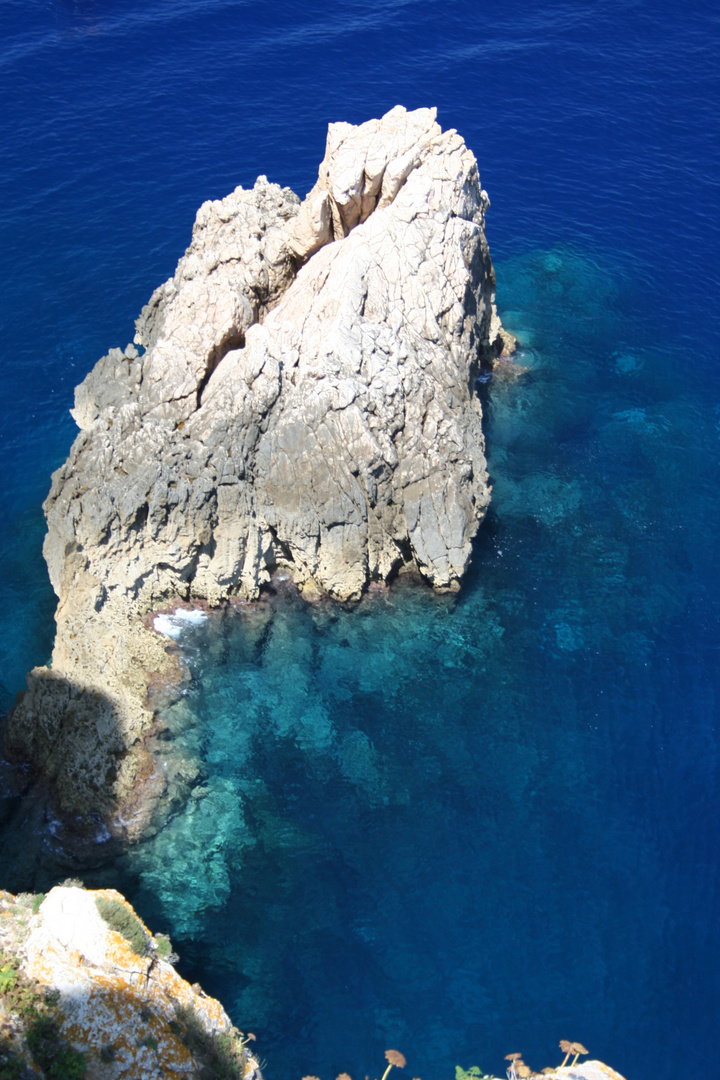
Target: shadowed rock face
306,398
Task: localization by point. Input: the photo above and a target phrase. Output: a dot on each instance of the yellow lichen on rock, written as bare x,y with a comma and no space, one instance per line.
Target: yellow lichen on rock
132,1016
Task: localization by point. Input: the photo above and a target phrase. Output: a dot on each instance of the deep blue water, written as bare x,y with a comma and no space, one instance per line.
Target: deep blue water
456,826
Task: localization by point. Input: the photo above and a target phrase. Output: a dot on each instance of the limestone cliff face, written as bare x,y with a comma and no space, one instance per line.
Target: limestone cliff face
325,418
306,398
77,998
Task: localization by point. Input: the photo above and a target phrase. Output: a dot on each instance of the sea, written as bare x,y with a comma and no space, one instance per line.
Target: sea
462,826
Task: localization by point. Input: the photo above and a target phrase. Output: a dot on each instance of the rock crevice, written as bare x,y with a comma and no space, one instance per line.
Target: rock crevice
306,397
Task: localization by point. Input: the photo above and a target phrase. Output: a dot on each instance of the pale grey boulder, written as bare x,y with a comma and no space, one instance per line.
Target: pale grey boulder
307,398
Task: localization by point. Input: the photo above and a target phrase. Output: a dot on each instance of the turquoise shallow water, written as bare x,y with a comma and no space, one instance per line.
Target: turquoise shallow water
459,826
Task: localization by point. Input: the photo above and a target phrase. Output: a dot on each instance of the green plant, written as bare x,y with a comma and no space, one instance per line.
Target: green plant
150,1041
224,1055
11,1066
163,946
57,1059
20,994
473,1071
25,1000
37,901
229,1055
121,919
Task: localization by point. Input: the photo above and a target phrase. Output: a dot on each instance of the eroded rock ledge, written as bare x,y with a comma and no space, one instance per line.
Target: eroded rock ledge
306,398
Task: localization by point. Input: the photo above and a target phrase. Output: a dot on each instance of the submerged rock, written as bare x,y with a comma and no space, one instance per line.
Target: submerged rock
306,398
78,999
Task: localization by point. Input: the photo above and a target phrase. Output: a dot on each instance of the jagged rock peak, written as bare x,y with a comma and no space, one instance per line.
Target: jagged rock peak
306,398
324,417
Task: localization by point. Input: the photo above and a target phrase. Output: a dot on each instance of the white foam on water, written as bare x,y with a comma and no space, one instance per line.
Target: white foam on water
164,625
191,615
173,625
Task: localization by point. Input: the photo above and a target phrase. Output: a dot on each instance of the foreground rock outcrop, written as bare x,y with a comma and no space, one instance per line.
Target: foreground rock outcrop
306,398
586,1070
77,999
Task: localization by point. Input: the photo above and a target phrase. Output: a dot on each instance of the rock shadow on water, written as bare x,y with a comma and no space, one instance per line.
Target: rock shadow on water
73,797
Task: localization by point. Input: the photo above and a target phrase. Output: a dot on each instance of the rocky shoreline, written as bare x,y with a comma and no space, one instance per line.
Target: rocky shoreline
301,396
303,419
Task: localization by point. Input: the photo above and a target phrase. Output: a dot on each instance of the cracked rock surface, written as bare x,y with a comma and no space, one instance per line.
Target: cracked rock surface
130,1016
305,398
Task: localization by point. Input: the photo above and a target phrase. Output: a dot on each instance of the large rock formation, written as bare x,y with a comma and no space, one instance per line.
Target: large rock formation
306,398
